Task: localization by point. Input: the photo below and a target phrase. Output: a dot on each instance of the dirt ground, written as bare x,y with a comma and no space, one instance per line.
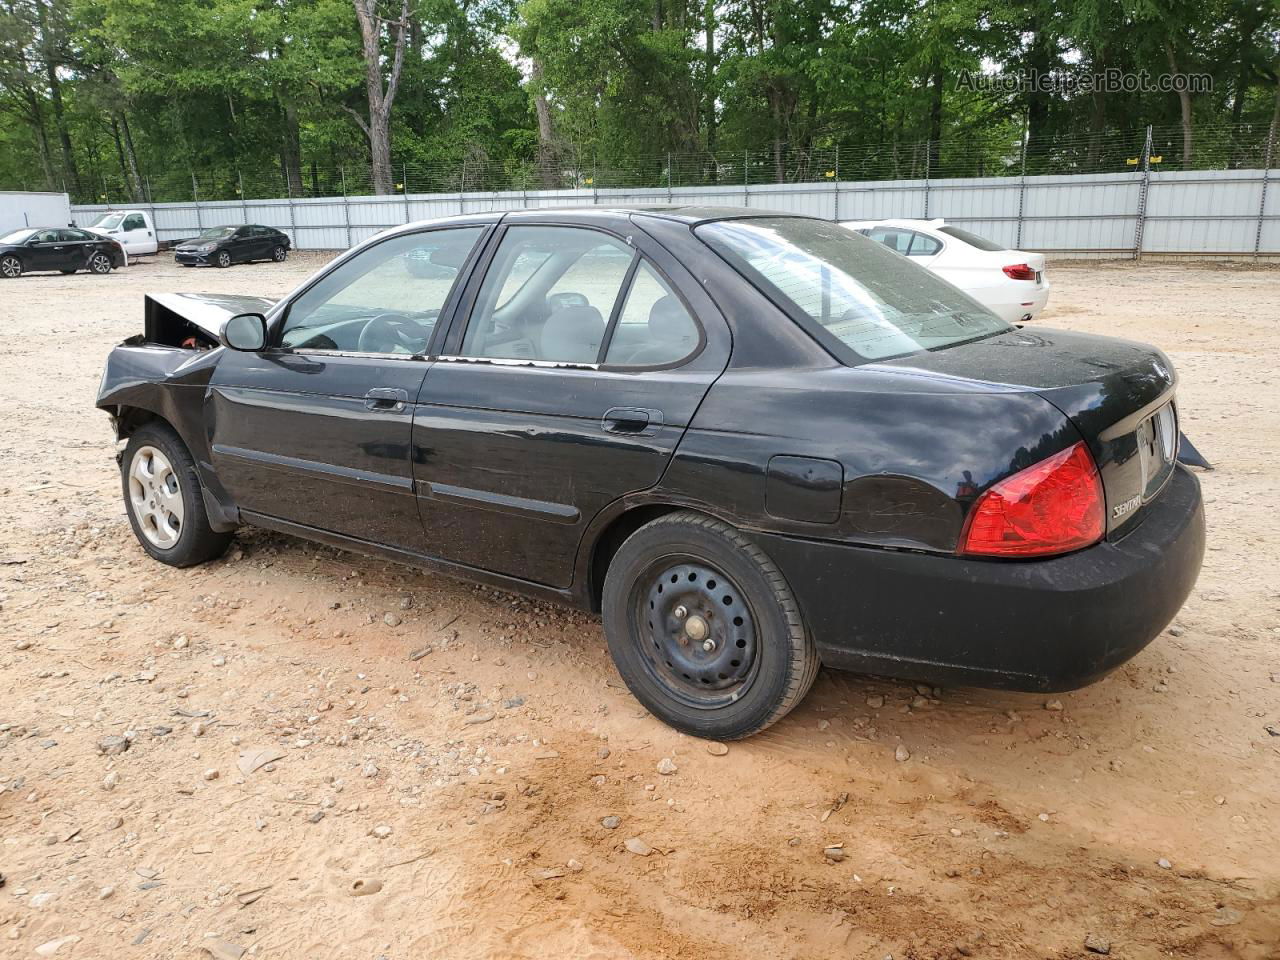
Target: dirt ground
471,780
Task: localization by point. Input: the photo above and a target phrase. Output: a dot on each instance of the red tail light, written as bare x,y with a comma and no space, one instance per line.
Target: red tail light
1052,507
1019,271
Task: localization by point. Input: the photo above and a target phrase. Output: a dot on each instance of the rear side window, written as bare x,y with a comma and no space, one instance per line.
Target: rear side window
922,246
654,327
972,239
894,238
861,301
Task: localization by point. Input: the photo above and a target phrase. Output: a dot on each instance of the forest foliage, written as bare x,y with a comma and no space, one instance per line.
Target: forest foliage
166,99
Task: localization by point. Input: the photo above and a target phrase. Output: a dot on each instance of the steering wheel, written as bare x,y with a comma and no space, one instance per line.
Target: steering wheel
381,334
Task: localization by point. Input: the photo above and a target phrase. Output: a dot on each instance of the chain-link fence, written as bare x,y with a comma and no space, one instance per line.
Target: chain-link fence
1223,147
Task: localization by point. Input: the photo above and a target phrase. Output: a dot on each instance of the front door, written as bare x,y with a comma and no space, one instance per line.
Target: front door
316,429
48,251
136,235
244,245
573,381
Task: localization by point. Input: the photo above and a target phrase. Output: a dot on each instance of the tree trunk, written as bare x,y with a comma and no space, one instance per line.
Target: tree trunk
291,150
548,175
35,117
124,167
131,155
55,97
937,83
709,27
378,126
1184,102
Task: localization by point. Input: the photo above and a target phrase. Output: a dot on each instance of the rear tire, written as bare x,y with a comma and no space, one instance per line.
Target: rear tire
162,496
100,264
704,629
10,267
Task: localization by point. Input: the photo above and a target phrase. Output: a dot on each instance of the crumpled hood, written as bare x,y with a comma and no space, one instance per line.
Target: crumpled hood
208,311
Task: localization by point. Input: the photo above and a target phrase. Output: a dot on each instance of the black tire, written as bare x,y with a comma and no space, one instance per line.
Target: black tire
10,267
69,271
223,258
279,253
100,263
686,561
196,541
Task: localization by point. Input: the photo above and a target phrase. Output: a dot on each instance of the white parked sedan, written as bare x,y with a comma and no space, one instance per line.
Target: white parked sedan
1011,283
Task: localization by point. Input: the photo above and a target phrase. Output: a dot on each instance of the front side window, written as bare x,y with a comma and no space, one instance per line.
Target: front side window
858,299
548,295
134,222
385,299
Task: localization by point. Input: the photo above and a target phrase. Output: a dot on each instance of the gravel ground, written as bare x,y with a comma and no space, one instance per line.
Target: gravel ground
469,763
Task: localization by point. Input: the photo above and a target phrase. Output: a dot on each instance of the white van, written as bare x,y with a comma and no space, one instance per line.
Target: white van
132,229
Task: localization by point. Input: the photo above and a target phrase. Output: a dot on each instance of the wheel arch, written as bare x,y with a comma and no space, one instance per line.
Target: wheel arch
601,545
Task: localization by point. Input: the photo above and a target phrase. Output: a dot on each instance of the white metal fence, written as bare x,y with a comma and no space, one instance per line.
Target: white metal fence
1210,213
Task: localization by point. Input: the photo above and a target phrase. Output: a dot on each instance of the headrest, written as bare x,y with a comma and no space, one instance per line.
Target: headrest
573,335
669,323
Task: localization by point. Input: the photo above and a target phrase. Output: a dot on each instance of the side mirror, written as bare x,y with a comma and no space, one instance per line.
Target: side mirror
245,331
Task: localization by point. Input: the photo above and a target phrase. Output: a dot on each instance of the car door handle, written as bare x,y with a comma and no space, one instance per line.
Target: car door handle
631,420
386,398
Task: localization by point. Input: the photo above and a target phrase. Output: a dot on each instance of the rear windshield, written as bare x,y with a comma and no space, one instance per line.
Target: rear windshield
856,296
972,239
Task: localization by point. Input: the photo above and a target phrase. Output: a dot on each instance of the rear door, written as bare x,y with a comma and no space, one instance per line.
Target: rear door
315,429
572,370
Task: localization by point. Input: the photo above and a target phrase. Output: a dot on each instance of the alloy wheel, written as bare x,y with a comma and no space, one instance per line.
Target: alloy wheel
224,259
278,254
100,263
11,267
156,497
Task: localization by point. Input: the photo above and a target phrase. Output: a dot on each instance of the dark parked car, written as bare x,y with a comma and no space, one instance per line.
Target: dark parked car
223,246
755,442
65,249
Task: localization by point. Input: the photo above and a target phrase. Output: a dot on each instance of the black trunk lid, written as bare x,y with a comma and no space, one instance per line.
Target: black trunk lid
1119,395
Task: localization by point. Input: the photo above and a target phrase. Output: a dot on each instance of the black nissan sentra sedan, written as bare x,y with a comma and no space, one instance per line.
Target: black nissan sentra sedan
223,246
754,442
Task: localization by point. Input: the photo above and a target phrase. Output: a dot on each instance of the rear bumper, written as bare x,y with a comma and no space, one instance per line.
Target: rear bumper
1041,625
1015,305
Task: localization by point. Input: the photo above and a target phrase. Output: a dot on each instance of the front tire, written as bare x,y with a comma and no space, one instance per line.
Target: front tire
100,264
704,628
10,267
223,259
162,496
279,254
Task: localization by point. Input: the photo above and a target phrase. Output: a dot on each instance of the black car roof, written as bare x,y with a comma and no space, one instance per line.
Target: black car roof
683,213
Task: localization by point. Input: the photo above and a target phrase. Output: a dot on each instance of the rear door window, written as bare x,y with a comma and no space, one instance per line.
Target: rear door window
922,246
654,328
548,295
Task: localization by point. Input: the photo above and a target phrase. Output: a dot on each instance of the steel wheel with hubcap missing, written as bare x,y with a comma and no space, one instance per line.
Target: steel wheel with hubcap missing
100,263
223,259
156,496
704,628
701,633
10,267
